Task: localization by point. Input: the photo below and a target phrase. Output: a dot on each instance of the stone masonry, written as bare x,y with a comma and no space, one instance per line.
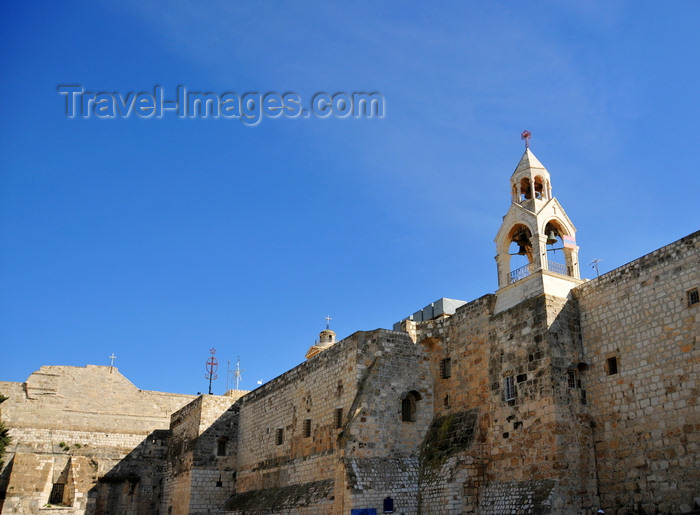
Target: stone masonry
641,340
81,427
553,395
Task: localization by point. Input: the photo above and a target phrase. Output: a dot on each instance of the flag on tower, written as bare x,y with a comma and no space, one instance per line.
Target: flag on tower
569,242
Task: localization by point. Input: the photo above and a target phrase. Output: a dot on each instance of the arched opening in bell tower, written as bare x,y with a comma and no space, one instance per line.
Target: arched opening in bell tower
541,188
519,253
527,188
561,253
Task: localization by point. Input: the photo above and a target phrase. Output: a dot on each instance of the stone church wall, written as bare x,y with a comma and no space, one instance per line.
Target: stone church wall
355,450
600,410
535,446
201,460
641,339
89,429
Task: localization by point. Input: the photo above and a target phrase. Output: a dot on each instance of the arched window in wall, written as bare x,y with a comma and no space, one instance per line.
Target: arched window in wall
409,406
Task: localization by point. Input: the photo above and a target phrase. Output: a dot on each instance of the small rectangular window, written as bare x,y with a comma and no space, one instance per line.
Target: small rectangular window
408,409
573,378
279,436
56,496
510,392
339,418
221,447
307,428
693,297
612,366
446,401
446,368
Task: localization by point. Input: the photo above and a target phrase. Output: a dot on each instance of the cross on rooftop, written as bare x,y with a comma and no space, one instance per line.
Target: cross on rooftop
111,362
328,321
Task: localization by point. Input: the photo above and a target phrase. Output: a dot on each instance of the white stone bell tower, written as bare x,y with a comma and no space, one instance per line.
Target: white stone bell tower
536,228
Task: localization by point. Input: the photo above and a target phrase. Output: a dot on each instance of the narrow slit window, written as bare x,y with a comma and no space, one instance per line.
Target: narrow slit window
307,428
338,418
279,436
612,366
446,368
510,393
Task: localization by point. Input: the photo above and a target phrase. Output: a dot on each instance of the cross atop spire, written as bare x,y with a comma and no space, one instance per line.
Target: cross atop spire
526,135
328,321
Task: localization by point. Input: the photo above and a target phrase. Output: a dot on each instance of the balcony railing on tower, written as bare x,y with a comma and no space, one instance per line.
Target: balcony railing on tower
519,273
524,271
558,268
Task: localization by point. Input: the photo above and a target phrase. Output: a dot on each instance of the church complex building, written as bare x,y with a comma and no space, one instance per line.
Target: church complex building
553,395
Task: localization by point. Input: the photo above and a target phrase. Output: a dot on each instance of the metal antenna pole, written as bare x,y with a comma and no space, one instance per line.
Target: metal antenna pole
594,264
237,372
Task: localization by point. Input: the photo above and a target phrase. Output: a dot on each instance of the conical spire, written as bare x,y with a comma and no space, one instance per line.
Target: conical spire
527,162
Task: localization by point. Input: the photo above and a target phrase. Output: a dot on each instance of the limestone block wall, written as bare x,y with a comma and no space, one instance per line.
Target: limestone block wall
202,455
91,398
325,423
134,483
273,448
32,492
641,339
80,418
541,433
184,429
380,448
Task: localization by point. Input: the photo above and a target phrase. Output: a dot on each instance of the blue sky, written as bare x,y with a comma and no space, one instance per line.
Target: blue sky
158,239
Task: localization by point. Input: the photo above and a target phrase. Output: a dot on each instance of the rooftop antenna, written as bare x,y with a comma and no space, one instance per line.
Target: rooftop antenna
111,362
526,135
212,367
328,321
594,264
237,372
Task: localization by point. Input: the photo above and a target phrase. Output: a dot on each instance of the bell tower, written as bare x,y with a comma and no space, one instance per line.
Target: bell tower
536,244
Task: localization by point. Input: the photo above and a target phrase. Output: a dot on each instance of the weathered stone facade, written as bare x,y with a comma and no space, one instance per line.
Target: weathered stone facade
553,395
645,410
333,419
90,431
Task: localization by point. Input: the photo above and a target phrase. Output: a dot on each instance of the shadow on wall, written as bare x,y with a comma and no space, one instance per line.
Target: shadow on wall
4,481
135,484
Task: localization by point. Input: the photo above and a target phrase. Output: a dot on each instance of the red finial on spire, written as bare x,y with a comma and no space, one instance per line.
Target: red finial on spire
526,135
